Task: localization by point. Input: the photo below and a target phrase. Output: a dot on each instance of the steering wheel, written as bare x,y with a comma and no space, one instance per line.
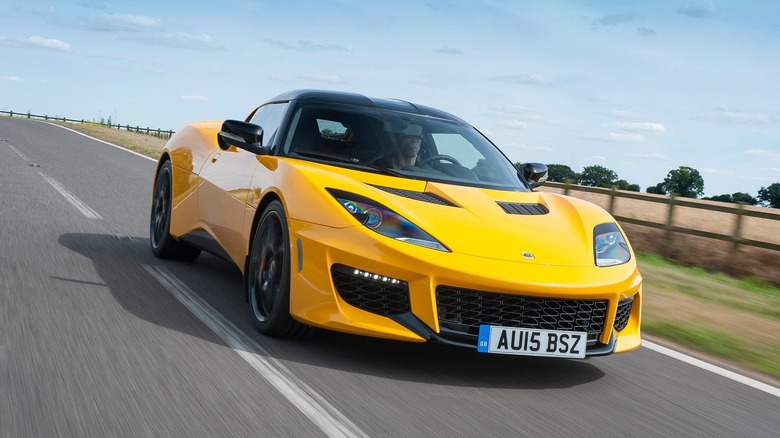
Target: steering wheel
449,158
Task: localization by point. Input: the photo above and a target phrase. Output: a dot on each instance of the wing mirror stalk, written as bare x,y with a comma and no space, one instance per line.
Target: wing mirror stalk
244,135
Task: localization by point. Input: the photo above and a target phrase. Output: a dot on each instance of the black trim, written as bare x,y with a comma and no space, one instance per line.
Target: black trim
524,208
417,196
203,240
454,339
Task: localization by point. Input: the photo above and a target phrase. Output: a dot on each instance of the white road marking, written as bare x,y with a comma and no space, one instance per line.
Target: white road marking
769,389
78,203
306,399
18,152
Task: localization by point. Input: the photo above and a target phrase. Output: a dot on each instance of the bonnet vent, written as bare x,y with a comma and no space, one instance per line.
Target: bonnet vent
524,209
419,196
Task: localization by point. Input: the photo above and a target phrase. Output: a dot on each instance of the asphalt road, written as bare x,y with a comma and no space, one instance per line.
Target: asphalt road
99,338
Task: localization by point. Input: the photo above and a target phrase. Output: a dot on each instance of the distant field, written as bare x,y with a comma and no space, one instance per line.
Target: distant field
736,321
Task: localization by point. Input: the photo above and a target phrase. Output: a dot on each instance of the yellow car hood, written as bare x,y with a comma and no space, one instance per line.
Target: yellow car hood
474,224
477,225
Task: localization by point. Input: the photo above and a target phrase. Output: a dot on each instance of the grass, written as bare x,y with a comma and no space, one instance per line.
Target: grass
145,144
736,320
761,357
753,284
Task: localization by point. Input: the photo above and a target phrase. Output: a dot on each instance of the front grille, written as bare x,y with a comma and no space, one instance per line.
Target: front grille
623,313
462,311
524,209
378,296
417,196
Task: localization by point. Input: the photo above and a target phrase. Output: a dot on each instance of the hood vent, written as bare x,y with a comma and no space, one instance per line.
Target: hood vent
524,209
418,196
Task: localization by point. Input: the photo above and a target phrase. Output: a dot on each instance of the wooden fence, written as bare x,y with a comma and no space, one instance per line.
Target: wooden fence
738,212
149,131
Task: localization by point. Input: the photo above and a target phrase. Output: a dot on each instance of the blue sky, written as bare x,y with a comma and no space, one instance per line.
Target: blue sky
639,87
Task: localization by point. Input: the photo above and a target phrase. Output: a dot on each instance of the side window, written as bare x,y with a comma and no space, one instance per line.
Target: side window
269,117
332,129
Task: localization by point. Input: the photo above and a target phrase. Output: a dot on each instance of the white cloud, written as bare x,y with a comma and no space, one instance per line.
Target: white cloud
650,127
543,148
194,97
596,158
616,137
37,42
328,79
306,46
721,172
514,124
181,40
726,114
112,22
12,79
763,153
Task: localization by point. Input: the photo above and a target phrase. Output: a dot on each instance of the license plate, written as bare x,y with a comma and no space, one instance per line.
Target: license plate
531,342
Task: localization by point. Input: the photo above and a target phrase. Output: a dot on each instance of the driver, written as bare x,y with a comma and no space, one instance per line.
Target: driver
406,139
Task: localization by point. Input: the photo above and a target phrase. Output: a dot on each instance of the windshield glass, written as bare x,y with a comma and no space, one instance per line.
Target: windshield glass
407,145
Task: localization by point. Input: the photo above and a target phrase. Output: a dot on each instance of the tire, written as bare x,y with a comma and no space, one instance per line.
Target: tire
163,244
268,275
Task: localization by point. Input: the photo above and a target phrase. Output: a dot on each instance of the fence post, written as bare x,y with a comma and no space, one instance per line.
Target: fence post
566,185
612,194
668,236
738,226
28,114
12,113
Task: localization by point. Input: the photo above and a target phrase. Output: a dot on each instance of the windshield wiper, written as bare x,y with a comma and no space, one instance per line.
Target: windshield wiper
343,159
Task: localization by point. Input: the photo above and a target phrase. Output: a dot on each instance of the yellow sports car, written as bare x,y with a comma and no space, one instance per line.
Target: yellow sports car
384,218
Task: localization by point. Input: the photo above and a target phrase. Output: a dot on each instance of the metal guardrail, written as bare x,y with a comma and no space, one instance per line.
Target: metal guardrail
149,131
738,210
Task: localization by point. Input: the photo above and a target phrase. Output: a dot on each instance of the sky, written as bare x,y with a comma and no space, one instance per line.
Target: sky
639,87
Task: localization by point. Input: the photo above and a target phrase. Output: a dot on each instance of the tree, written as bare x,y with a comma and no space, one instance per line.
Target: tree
560,173
770,195
598,176
744,198
622,184
658,189
684,181
734,198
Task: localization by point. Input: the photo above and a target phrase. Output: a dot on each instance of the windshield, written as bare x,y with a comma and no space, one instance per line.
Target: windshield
402,144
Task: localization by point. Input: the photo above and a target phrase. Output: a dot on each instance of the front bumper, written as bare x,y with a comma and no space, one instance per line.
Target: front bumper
341,280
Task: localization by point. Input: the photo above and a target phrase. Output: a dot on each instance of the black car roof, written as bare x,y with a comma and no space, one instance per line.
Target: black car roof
359,99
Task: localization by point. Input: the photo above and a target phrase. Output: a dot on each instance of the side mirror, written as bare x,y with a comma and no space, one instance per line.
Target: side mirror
535,174
247,136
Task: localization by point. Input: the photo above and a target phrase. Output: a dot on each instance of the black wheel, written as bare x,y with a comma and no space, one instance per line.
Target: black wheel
163,244
438,157
268,275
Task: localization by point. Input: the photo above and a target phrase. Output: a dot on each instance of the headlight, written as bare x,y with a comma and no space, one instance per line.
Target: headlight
384,221
610,246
